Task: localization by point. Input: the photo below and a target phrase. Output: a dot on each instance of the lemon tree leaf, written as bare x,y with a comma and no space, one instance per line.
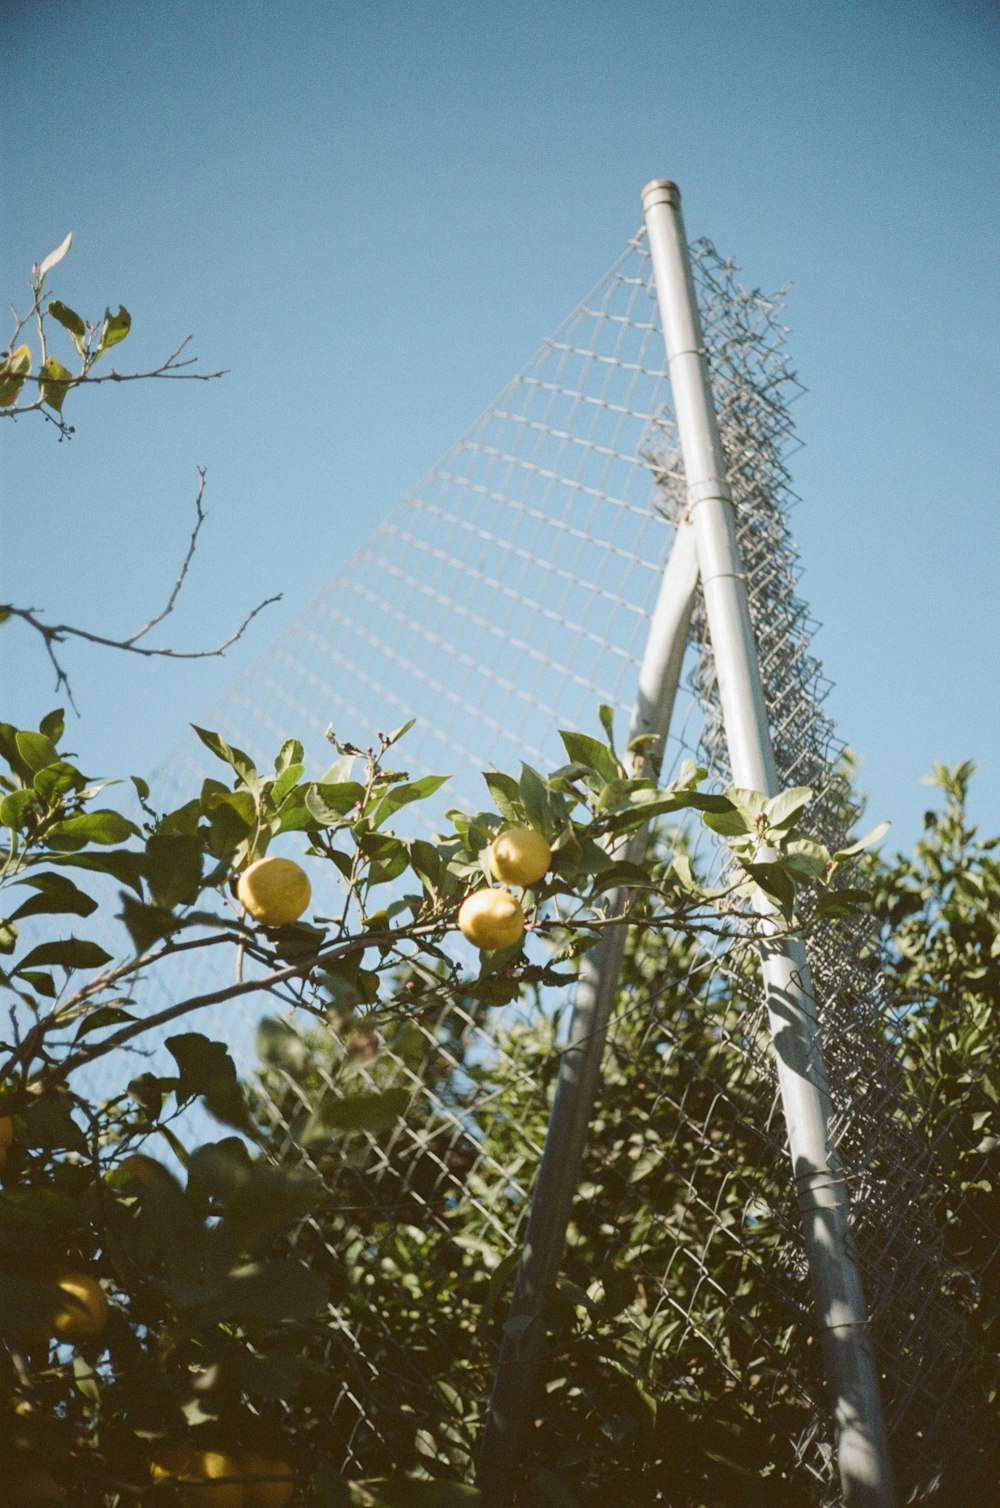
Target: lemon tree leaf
230,755
782,810
13,370
114,329
57,894
71,321
402,795
55,383
105,827
54,257
70,953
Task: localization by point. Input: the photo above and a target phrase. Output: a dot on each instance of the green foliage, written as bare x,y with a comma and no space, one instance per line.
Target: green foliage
218,1331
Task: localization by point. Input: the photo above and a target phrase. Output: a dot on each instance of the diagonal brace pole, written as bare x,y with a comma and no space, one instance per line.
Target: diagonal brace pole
863,1459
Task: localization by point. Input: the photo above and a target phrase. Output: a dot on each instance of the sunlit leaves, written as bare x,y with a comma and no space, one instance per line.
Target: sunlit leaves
54,258
55,383
13,370
114,329
71,321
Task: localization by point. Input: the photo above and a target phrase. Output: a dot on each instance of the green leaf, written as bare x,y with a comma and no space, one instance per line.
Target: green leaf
56,380
71,321
173,870
147,1091
279,1291
42,984
875,836
503,789
426,863
534,798
398,733
782,810
628,876
8,937
58,895
775,880
261,1201
105,1015
15,808
124,867
53,724
327,805
843,902
36,750
13,370
368,1111
56,780
206,1069
114,329
235,758
286,783
70,953
402,795
291,752
49,1125
731,823
606,715
105,827
592,754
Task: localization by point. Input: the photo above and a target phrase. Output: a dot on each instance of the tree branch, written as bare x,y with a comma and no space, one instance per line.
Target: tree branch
58,633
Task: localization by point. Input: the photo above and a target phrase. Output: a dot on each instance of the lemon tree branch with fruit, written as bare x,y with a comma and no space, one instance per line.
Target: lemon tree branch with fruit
126,1266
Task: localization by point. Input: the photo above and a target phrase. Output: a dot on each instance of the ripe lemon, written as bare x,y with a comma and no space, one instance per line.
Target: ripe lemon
181,1460
265,1494
85,1313
274,891
519,856
491,919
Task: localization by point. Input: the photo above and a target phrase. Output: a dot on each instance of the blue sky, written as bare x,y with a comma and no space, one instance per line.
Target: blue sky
372,214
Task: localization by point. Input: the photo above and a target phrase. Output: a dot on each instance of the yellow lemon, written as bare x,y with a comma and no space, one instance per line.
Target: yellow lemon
181,1460
85,1313
265,1494
491,919
274,891
519,856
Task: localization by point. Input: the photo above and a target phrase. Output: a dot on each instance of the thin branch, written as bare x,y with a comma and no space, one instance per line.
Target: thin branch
192,545
58,633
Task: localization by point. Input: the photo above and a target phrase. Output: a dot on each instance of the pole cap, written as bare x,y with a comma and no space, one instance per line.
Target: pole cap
661,191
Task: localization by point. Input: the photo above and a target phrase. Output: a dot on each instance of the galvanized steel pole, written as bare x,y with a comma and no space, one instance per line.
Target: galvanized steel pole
862,1445
513,1396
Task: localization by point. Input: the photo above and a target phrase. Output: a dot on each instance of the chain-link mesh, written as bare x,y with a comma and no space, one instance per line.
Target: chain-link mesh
505,599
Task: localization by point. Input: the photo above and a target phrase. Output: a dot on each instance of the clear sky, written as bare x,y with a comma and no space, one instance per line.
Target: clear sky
372,214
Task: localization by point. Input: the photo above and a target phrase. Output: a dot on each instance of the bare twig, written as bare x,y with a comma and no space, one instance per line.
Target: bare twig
58,633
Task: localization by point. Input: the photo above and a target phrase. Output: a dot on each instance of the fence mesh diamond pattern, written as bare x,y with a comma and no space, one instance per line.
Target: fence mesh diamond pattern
505,599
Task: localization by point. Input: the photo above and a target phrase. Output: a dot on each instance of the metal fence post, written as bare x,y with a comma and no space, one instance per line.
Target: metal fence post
861,1441
512,1398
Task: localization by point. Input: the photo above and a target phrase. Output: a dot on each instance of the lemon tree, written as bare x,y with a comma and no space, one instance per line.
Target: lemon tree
156,1294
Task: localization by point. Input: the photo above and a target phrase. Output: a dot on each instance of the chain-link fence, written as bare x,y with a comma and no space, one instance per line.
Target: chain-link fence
505,599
